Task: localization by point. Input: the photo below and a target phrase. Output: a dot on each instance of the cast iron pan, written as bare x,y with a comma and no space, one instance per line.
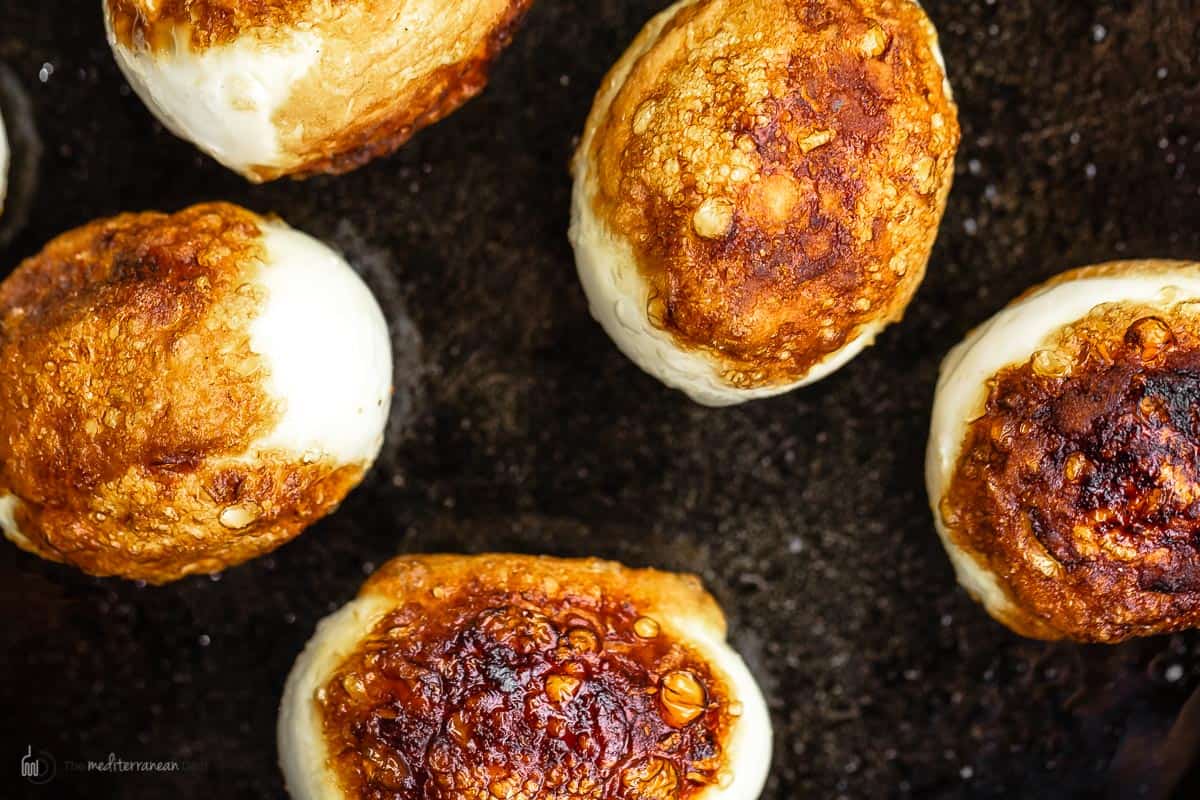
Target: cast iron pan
518,426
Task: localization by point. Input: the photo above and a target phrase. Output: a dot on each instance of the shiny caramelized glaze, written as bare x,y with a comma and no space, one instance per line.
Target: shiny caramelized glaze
1080,483
474,693
780,168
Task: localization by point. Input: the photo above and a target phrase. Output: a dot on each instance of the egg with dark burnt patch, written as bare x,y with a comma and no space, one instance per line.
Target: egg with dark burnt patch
1064,457
453,677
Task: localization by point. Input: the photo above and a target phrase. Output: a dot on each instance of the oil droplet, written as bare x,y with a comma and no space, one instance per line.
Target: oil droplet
724,779
1076,464
355,687
873,42
240,516
1151,336
814,140
562,688
505,788
713,218
656,311
391,772
458,728
1051,364
646,628
682,697
581,640
736,709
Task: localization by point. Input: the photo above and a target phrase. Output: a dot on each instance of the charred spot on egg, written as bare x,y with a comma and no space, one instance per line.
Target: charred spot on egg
759,186
1063,459
523,677
180,393
301,88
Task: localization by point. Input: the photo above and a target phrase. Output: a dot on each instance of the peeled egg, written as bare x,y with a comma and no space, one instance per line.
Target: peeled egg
300,88
758,188
524,677
1063,456
182,392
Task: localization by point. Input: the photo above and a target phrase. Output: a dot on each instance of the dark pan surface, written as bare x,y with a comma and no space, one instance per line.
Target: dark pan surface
518,426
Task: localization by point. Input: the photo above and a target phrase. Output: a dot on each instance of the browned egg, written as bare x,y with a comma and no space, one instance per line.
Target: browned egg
299,87
527,678
1064,463
182,392
759,186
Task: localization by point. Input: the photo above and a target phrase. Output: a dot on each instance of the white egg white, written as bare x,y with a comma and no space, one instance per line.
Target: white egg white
223,98
327,351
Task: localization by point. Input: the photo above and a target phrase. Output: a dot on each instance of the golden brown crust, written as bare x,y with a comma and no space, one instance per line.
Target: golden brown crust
208,22
385,70
389,109
130,395
1079,486
669,594
527,677
780,168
